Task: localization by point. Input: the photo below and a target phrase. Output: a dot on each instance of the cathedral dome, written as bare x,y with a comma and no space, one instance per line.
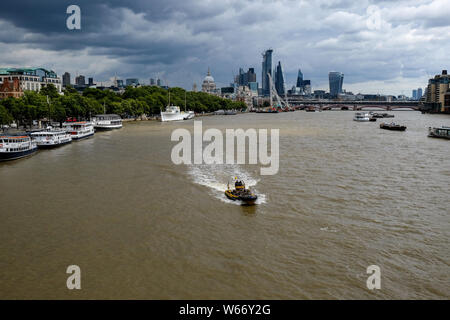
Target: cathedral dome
209,85
208,77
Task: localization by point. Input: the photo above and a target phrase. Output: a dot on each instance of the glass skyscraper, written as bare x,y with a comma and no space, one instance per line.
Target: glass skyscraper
336,82
300,79
279,79
266,69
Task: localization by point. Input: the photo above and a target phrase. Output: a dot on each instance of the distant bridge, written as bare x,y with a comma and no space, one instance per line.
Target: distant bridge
355,105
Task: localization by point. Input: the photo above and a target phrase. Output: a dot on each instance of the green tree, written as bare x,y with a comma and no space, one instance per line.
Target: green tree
5,116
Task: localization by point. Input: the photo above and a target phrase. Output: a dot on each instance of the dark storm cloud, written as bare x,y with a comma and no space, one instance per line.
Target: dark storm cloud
180,39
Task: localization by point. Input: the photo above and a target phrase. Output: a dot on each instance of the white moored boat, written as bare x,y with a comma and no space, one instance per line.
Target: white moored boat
16,147
51,138
172,113
79,130
107,122
362,117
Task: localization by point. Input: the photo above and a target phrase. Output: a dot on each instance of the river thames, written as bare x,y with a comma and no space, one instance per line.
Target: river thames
347,195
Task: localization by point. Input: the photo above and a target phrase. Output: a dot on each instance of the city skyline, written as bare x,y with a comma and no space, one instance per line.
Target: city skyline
386,48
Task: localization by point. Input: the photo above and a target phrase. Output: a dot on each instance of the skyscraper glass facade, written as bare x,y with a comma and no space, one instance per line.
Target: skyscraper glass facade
336,82
266,69
299,79
279,79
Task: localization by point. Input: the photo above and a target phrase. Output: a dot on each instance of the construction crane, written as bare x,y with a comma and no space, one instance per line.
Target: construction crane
273,91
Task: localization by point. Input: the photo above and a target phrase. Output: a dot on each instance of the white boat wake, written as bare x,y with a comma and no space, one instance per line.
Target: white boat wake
216,178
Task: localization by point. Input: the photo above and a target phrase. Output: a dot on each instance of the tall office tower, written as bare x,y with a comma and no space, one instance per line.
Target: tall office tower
80,81
244,78
266,69
152,82
336,81
66,79
414,94
158,82
300,79
90,81
251,75
279,79
419,93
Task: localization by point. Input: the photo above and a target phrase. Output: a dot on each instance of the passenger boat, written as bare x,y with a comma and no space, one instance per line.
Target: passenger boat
107,122
443,132
16,147
361,117
241,193
392,126
79,130
51,138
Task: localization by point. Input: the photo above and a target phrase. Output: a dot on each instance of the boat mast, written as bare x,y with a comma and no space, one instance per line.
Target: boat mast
48,101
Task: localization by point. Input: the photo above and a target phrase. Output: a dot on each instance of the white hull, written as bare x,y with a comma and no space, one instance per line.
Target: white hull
169,116
108,126
82,135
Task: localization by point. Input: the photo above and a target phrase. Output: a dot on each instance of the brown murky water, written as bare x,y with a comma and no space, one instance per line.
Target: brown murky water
348,195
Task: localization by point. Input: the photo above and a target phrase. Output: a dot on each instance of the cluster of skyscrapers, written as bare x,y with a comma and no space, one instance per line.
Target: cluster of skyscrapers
301,87
417,94
80,81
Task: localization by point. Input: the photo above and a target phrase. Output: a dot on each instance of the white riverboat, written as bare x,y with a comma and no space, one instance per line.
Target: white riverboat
79,130
172,113
16,147
107,122
443,132
361,117
51,138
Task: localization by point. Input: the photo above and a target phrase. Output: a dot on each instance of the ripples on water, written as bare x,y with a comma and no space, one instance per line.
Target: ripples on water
348,195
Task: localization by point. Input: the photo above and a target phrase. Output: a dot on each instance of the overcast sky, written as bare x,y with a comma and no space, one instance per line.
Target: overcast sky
385,47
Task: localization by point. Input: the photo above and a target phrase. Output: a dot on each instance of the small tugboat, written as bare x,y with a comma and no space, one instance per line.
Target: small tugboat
392,126
240,193
443,132
16,147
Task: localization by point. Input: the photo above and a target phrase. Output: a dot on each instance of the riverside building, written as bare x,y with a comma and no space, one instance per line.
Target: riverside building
438,93
15,81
